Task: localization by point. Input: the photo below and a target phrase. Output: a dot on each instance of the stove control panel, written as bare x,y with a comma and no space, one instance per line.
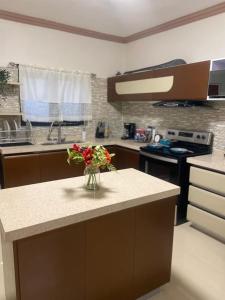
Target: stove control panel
197,137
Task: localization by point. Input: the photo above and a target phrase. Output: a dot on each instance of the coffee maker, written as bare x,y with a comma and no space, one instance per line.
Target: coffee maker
128,131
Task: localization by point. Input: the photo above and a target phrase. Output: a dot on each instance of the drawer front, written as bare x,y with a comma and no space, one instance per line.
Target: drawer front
207,200
211,181
207,222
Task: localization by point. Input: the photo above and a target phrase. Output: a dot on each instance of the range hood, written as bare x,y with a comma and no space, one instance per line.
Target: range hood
174,104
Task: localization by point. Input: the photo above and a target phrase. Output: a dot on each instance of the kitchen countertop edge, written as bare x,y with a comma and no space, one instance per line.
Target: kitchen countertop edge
214,162
37,148
14,230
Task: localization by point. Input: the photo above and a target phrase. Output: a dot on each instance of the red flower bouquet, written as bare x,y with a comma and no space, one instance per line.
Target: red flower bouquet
94,158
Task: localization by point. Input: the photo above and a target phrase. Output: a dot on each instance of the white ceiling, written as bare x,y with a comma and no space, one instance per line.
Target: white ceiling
118,17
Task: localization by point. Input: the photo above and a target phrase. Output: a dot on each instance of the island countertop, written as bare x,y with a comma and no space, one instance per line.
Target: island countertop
37,208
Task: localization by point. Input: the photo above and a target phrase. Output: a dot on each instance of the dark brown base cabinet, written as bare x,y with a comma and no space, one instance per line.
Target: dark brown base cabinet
34,168
23,169
54,166
126,158
119,256
20,170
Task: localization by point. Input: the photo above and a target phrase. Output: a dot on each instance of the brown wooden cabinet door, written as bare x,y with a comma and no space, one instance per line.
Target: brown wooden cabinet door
110,246
20,170
153,245
190,82
126,158
53,166
51,266
119,256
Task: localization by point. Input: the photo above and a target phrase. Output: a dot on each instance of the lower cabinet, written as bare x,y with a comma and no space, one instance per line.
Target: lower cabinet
23,169
153,245
206,209
50,266
53,166
126,158
20,170
110,249
119,256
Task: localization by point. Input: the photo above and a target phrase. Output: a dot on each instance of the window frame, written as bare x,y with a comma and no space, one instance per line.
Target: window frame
47,124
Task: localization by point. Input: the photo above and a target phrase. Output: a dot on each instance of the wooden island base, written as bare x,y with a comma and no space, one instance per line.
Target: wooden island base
119,256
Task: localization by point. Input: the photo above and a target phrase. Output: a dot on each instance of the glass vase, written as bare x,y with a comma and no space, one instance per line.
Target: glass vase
92,178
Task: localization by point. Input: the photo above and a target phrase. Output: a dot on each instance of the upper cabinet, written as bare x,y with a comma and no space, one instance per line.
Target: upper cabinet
184,82
217,80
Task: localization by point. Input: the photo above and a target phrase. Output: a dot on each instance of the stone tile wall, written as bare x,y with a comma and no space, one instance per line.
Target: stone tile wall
208,118
101,111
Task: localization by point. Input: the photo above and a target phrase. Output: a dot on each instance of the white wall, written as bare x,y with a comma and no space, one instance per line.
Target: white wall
197,41
27,44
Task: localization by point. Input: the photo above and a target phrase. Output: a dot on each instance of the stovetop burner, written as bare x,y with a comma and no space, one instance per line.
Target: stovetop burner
192,150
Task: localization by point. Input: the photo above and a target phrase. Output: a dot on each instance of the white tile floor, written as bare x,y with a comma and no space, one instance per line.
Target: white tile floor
198,270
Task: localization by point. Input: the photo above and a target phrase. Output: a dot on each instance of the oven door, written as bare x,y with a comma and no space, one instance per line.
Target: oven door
160,166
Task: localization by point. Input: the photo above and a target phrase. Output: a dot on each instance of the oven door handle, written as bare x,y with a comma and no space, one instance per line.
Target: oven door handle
162,158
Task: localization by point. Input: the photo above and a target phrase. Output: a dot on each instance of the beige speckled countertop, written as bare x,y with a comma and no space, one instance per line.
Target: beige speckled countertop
33,209
214,162
42,148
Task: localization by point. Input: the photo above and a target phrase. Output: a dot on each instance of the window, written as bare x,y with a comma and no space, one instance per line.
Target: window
53,95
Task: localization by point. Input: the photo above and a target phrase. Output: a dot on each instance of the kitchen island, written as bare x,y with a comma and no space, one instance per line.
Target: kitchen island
62,242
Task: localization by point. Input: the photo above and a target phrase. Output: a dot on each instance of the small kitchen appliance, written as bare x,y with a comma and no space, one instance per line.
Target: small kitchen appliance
168,161
128,131
145,135
102,130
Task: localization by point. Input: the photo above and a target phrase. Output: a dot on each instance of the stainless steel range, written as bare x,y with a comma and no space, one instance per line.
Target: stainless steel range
167,160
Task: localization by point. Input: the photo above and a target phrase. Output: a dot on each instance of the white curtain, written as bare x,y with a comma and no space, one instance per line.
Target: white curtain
52,95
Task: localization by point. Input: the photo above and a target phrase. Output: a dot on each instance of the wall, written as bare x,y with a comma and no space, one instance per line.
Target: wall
209,118
102,110
193,42
27,44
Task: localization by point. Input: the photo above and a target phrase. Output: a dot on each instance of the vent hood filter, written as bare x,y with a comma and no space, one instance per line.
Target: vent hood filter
172,104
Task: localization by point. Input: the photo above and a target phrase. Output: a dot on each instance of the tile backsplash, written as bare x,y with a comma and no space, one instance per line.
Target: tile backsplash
208,118
101,111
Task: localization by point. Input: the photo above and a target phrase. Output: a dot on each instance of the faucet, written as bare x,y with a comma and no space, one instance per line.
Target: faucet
59,139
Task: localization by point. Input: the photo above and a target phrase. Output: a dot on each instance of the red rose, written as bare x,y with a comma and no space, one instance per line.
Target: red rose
108,157
87,155
76,148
